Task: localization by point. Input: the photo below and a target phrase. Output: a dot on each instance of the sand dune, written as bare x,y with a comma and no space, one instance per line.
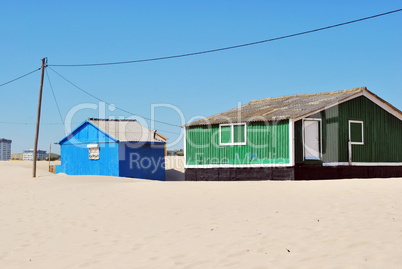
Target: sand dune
59,221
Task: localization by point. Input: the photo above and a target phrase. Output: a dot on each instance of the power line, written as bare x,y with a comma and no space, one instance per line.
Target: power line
54,97
31,123
99,99
58,123
19,77
231,47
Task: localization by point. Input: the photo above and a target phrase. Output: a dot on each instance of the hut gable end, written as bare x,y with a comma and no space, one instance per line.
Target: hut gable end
87,133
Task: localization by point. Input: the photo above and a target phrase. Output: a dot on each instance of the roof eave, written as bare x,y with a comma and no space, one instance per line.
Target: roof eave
327,107
79,126
145,142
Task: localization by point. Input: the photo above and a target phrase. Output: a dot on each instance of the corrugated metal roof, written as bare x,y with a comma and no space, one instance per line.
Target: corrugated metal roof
280,108
127,130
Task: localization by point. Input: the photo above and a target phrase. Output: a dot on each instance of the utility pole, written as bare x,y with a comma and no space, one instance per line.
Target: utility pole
35,151
50,155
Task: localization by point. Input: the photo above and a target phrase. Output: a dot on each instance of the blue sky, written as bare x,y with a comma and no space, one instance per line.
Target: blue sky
72,32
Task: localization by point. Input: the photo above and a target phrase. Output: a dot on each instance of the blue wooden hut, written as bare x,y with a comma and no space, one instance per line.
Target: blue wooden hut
123,148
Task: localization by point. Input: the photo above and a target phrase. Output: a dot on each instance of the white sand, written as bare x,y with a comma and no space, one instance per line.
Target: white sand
59,221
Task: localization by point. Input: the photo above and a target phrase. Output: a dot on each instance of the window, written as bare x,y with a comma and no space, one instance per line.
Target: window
232,134
356,132
93,151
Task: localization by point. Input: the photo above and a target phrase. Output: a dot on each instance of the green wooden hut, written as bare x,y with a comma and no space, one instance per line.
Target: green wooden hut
342,134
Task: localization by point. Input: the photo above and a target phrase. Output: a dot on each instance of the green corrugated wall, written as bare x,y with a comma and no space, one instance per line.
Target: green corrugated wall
382,133
267,143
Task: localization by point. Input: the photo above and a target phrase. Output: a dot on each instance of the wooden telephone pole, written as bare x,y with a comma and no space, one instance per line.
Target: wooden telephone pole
35,150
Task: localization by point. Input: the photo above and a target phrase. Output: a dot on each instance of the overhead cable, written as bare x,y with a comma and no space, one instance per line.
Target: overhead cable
99,99
231,47
54,97
31,123
59,123
19,77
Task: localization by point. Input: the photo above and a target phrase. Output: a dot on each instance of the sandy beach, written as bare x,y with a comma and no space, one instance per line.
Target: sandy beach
60,221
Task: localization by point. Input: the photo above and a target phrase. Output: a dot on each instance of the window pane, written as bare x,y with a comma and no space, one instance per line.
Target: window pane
356,132
238,134
225,134
94,153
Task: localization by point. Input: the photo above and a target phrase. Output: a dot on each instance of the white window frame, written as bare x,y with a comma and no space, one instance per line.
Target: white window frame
350,134
93,156
232,134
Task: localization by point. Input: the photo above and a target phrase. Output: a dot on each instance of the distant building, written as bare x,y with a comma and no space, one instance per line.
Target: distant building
5,149
28,155
179,152
16,156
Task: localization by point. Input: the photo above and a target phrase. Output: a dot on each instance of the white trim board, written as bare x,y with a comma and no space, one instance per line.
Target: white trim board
291,142
366,93
381,103
361,164
238,165
185,144
90,146
286,165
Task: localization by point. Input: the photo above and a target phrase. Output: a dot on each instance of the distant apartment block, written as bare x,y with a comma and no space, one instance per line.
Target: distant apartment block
28,155
5,149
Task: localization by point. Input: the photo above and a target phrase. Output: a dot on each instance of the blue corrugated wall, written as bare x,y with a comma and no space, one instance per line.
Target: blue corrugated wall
74,153
142,160
126,159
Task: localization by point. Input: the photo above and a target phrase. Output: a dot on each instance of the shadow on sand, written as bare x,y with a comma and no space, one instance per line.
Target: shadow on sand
174,175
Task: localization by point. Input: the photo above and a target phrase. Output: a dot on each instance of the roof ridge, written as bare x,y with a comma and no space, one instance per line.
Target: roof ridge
97,119
357,90
284,107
